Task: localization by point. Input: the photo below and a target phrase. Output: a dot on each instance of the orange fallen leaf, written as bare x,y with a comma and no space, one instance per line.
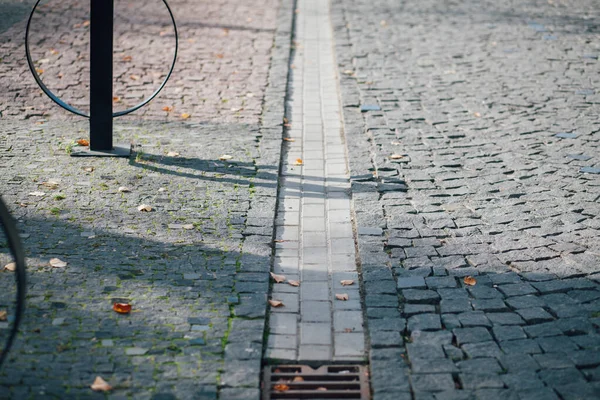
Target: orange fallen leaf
57,263
86,23
185,115
281,387
134,77
294,283
277,278
83,142
347,282
220,55
469,280
116,99
298,379
299,161
122,308
167,108
100,385
10,267
225,31
276,303
3,315
279,240
39,71
126,58
342,296
289,139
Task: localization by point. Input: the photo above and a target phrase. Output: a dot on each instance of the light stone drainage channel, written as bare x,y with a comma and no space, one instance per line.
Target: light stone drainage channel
320,319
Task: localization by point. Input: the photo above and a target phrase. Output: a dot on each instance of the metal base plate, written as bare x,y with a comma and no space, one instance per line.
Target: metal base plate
117,151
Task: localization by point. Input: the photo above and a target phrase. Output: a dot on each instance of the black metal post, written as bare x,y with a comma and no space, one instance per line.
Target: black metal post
101,74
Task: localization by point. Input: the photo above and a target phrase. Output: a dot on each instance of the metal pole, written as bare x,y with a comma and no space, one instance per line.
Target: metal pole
101,74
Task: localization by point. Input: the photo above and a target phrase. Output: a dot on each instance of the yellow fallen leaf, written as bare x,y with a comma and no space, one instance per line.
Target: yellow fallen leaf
347,282
294,283
277,278
172,154
185,115
3,315
10,267
276,303
469,280
100,385
299,161
225,157
144,208
342,296
58,263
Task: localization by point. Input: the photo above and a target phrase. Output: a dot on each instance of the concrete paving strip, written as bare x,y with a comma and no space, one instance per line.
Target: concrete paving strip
314,225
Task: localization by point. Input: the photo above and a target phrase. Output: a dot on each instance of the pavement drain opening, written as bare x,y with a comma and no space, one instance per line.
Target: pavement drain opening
326,382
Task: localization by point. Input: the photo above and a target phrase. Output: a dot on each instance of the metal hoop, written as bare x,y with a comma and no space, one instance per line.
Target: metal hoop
12,235
72,109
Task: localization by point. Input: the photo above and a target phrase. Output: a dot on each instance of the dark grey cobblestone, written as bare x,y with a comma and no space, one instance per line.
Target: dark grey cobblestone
486,187
195,268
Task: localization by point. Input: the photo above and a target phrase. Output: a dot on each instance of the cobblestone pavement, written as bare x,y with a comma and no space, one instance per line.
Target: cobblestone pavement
195,268
473,137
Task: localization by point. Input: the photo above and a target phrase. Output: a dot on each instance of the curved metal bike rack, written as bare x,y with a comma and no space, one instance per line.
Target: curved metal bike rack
12,235
74,110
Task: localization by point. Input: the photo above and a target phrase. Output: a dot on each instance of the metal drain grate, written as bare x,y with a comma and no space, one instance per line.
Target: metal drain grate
327,382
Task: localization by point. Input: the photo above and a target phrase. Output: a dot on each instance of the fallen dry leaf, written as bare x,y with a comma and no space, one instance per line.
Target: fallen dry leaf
134,77
50,184
188,226
299,161
86,23
167,108
37,194
3,315
285,120
277,278
124,189
289,139
172,154
342,296
347,282
162,189
220,55
126,58
348,330
144,208
122,308
281,387
294,283
396,156
83,142
469,280
225,157
276,303
39,71
10,267
88,169
185,115
298,379
58,263
477,114
53,52
100,385
116,99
